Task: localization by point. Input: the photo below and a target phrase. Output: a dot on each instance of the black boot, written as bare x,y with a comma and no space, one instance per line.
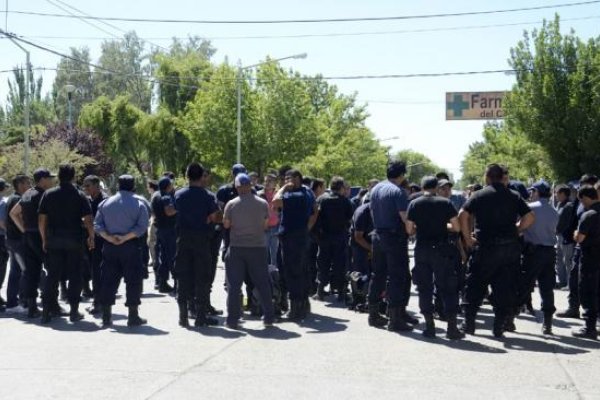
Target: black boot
429,331
509,324
452,331
106,316
468,325
133,319
46,314
164,287
321,293
202,319
409,318
213,311
398,323
569,313
295,312
589,331
32,309
547,324
183,315
74,314
375,319
499,326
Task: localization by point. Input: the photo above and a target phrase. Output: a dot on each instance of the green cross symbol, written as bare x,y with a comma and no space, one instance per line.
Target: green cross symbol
458,105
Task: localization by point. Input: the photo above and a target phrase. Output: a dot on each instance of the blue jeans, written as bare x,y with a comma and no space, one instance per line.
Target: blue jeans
272,244
16,276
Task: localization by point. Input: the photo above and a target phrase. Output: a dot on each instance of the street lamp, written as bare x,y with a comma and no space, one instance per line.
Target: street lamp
27,103
70,89
239,97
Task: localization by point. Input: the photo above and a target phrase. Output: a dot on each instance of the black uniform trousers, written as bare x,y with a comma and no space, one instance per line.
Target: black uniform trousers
95,262
574,301
167,241
589,281
435,268
538,265
121,261
331,259
16,277
193,268
497,264
391,266
63,261
34,258
293,246
3,259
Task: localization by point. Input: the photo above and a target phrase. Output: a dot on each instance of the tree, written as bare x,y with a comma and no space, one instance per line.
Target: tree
124,70
40,108
78,74
526,161
556,99
419,165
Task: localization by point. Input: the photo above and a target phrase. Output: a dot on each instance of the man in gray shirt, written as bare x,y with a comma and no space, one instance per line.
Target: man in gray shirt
247,217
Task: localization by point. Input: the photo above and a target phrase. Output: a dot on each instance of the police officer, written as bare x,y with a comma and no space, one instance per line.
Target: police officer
16,248
500,215
360,244
121,220
196,211
564,235
247,218
91,186
539,254
588,238
3,249
164,219
389,203
25,216
298,215
60,213
334,214
431,217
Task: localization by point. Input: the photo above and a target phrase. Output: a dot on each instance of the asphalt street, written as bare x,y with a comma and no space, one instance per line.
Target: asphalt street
333,354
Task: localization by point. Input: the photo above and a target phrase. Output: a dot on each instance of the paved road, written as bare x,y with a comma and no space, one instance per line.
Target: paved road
332,355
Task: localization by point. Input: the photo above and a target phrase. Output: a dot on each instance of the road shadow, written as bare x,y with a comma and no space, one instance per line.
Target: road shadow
538,346
463,344
153,295
274,333
569,340
145,330
218,331
324,324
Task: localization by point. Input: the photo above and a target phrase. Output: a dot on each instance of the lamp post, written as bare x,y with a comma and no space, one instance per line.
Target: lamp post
27,103
239,97
70,89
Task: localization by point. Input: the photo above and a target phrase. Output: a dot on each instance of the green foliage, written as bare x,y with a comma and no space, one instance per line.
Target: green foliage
556,100
526,161
419,165
40,109
78,74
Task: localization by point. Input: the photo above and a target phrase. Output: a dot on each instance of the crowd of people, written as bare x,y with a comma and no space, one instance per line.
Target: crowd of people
290,239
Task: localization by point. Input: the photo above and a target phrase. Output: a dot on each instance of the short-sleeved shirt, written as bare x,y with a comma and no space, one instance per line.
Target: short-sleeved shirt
297,208
64,207
30,204
335,213
225,194
3,214
247,214
194,205
543,230
159,202
431,215
496,210
362,222
121,214
12,231
387,202
589,225
95,202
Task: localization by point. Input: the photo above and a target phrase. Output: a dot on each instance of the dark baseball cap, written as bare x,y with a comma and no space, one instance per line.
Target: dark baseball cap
164,182
242,180
444,182
542,187
42,173
238,169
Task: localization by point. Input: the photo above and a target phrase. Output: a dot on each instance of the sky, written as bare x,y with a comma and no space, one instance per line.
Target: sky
407,113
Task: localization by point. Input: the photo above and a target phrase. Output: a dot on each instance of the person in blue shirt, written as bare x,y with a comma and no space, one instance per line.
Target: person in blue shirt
164,219
539,254
196,212
121,220
389,203
298,215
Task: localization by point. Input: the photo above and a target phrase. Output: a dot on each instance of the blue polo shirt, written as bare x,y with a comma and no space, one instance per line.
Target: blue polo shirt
121,214
194,205
543,230
298,206
387,202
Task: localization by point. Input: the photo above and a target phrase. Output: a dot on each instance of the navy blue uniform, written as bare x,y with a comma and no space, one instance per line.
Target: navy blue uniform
95,255
34,255
390,246
589,270
165,234
121,214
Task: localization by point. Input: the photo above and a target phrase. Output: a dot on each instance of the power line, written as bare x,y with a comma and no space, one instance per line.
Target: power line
332,34
89,23
301,21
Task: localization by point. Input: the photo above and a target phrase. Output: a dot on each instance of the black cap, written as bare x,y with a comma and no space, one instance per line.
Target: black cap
444,182
429,182
2,185
42,173
126,182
